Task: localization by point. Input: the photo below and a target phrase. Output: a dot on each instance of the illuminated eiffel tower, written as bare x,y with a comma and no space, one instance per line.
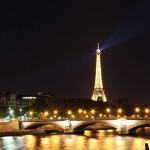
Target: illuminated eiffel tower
98,93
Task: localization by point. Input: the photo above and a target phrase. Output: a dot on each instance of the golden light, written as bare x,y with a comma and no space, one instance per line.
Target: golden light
137,110
31,113
80,111
108,110
45,113
93,111
86,116
69,112
55,112
84,112
147,110
100,115
119,110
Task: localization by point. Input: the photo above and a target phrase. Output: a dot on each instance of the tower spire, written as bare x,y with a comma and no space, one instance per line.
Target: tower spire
97,45
98,92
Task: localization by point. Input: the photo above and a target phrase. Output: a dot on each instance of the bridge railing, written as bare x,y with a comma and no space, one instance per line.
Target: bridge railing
86,119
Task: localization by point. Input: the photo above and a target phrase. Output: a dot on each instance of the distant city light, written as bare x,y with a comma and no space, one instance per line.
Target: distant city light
31,97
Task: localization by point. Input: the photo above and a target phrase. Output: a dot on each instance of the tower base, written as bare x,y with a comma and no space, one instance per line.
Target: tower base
98,95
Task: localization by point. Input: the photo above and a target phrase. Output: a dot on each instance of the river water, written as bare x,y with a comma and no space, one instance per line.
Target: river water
102,140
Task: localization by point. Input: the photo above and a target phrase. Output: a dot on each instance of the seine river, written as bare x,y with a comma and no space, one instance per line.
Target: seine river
102,140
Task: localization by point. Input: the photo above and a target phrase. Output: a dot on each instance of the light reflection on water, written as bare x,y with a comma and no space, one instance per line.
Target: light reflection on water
102,139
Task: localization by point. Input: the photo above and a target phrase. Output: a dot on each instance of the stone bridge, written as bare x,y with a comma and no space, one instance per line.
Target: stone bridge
123,126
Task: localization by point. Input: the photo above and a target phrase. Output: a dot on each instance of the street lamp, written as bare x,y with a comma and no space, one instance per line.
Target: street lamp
100,115
119,111
31,113
55,113
92,112
46,113
137,110
80,111
86,116
84,112
69,112
146,112
108,111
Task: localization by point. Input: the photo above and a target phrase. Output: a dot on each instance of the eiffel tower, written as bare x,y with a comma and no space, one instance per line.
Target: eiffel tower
98,92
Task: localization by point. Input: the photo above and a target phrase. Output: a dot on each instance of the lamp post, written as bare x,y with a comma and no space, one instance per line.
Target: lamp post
69,112
146,112
84,112
80,112
119,112
100,115
31,114
137,110
55,113
93,113
108,111
46,114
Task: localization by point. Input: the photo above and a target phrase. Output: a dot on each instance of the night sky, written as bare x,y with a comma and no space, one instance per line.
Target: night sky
51,47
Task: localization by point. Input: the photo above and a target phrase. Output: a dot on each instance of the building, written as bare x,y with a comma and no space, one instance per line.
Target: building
13,100
26,100
9,99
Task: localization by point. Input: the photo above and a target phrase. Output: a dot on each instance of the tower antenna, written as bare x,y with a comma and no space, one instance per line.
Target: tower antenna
98,45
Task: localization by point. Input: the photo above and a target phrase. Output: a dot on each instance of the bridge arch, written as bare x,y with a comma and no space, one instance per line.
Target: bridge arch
80,127
134,129
34,125
108,123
